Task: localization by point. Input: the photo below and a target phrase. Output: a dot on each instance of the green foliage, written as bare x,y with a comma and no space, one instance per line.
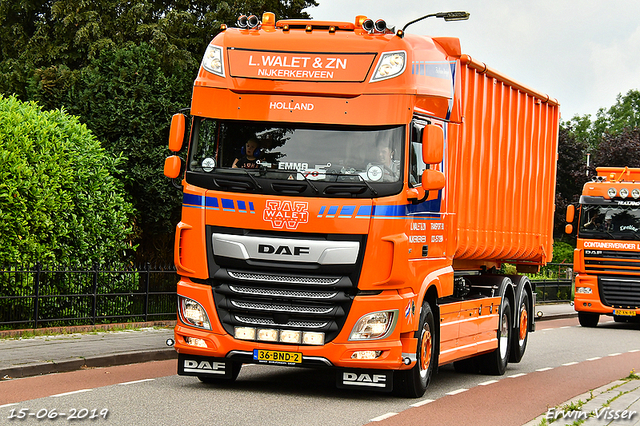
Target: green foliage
59,199
123,67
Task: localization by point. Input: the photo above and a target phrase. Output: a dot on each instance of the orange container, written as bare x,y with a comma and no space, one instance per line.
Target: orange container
502,161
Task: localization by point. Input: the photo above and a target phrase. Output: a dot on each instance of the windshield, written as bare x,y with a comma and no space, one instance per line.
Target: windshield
285,151
610,222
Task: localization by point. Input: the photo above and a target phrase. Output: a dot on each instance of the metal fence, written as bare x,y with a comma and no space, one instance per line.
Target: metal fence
554,283
41,296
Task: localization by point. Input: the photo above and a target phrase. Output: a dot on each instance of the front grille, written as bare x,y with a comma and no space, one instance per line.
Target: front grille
282,278
619,291
282,301
612,262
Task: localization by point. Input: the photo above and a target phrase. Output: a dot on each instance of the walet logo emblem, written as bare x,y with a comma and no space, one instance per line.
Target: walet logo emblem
286,214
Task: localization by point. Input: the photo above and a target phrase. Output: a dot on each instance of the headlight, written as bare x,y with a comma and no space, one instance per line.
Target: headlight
624,192
391,64
213,61
377,325
635,193
193,313
612,192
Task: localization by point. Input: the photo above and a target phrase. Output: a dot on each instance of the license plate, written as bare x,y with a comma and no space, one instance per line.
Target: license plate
277,357
624,313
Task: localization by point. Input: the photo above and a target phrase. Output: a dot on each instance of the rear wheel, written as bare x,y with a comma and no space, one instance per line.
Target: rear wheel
496,362
588,319
235,370
413,383
521,335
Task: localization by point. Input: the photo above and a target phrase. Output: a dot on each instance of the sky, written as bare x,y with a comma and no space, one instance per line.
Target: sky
582,53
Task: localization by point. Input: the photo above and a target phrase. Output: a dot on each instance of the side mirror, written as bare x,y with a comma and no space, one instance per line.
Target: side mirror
172,166
568,229
432,144
432,180
571,212
176,134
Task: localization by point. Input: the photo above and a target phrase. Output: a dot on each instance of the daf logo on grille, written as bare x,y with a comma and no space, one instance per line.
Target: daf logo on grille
282,250
593,252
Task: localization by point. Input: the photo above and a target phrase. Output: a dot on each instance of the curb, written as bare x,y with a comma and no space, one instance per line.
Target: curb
85,328
91,362
558,316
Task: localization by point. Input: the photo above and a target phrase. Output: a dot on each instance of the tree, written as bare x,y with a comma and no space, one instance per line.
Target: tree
619,150
123,67
59,199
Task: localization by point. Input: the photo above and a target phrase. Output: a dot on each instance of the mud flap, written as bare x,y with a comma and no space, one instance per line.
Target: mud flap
194,365
356,378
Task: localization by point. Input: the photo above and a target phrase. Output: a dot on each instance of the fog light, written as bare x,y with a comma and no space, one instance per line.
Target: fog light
377,325
194,341
290,336
268,335
312,338
244,333
193,313
584,290
366,354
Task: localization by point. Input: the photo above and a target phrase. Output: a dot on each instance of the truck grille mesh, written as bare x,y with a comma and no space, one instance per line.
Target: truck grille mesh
257,291
617,272
282,278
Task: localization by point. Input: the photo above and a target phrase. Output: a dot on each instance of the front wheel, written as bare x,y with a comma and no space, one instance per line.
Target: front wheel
588,319
413,383
235,370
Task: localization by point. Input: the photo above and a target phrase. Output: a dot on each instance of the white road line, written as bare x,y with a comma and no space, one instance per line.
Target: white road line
517,375
8,405
136,381
615,354
566,326
71,393
545,369
455,392
487,383
383,417
594,358
570,363
421,403
635,350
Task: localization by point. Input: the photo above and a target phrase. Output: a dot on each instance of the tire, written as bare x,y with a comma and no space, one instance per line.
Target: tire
588,319
495,363
235,370
413,383
521,330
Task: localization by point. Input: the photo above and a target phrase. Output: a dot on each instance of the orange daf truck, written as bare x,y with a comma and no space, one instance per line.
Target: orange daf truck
607,256
385,179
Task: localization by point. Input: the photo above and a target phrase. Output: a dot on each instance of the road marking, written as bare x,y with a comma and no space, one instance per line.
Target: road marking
635,350
383,417
545,369
455,392
8,405
566,326
136,381
487,383
421,403
614,354
570,363
71,393
517,375
594,358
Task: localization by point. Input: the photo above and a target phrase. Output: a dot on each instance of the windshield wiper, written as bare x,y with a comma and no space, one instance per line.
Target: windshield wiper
310,184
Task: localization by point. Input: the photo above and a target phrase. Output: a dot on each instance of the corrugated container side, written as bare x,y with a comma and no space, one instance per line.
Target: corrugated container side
502,168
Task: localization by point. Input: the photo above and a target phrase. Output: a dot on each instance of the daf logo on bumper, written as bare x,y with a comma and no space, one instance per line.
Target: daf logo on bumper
371,379
207,367
282,250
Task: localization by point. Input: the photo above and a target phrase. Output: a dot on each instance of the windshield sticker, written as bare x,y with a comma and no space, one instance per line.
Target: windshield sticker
286,214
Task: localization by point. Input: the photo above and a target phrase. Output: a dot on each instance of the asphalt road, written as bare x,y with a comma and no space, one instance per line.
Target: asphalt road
562,360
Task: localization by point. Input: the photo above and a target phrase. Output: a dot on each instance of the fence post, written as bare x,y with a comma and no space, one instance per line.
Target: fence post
146,293
94,308
36,302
